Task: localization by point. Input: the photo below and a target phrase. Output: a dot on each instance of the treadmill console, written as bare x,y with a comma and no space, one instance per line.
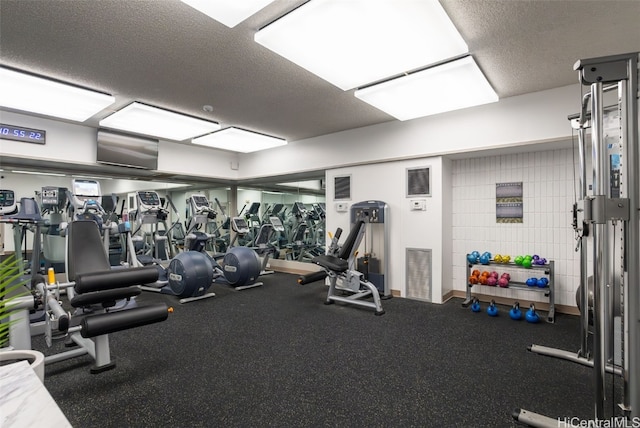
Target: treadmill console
298,208
199,202
239,225
277,223
8,202
148,200
253,209
83,191
53,198
276,209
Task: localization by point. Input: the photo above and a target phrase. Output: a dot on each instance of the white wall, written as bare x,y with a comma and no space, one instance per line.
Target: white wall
548,188
408,229
535,117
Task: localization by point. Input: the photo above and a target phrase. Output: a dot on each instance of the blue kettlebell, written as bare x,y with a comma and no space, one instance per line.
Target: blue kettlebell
472,258
515,313
531,315
532,282
492,310
475,306
543,282
485,259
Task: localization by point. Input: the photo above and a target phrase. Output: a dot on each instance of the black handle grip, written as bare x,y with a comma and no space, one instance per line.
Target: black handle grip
338,233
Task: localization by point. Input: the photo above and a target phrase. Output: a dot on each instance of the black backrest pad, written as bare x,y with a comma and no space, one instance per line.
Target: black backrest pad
347,246
85,252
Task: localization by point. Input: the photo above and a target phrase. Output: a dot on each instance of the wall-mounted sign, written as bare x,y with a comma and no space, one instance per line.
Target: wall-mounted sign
20,133
509,202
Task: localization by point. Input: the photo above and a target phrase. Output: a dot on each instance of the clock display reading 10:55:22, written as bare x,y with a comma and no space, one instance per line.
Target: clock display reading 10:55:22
20,133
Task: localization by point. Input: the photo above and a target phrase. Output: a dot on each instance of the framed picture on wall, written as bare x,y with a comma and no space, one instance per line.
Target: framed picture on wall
419,181
509,202
342,188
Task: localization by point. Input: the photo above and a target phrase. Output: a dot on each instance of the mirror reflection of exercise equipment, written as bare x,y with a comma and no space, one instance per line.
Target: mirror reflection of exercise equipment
373,253
190,274
607,224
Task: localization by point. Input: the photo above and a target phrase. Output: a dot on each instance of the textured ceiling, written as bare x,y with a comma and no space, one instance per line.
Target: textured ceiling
167,54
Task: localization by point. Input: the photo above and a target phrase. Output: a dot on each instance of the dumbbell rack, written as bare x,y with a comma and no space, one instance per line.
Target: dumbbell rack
548,291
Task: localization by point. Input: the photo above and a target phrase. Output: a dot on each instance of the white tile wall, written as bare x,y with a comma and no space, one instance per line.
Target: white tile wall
548,196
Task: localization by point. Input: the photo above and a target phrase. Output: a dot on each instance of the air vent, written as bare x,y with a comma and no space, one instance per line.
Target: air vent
419,274
342,188
419,181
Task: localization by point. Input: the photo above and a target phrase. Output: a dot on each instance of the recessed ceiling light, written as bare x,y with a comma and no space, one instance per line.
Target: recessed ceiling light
452,86
39,95
239,140
228,12
147,120
356,42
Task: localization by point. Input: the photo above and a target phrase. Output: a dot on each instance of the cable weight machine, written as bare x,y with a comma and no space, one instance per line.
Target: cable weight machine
608,223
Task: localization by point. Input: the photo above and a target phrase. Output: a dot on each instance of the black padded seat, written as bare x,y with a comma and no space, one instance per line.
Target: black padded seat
332,263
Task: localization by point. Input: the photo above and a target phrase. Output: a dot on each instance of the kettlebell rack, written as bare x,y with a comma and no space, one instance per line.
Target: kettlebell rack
547,270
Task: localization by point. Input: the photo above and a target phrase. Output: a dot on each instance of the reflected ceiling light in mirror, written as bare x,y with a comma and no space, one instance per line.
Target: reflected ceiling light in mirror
452,86
33,94
91,177
54,174
239,140
228,12
357,42
147,120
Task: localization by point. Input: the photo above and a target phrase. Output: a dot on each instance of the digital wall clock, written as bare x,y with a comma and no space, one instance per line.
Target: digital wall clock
20,133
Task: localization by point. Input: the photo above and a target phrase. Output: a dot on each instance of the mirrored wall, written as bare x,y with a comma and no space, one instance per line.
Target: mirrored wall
295,210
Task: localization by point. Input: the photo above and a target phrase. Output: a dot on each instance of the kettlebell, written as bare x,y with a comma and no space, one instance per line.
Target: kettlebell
492,310
532,282
475,306
531,315
515,313
542,282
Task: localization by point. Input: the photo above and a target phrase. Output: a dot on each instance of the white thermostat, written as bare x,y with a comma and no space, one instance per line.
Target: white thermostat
342,207
418,204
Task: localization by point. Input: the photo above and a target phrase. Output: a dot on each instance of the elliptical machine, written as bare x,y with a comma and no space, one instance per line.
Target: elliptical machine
187,276
239,267
190,274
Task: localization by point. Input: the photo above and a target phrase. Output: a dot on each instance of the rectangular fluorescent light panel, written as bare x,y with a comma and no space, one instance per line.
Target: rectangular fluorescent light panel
143,119
38,95
452,86
228,12
239,140
356,42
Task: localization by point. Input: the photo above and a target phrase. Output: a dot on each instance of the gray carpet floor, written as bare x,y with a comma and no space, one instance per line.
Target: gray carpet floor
276,356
